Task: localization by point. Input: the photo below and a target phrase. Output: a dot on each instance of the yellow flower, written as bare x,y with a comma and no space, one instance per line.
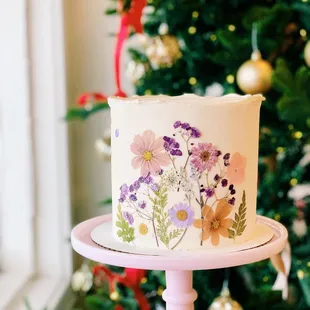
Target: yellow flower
143,229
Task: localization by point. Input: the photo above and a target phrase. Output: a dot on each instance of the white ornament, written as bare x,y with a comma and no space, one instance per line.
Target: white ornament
300,227
281,283
214,90
163,29
148,10
135,70
82,279
305,160
299,192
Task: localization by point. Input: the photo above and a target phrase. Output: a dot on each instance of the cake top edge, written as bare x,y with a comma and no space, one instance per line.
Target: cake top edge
186,98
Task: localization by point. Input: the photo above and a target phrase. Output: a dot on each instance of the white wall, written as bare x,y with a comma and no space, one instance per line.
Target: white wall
89,49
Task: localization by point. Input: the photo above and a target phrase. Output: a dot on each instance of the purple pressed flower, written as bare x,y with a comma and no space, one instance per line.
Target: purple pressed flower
167,139
224,182
161,172
131,188
154,187
136,185
141,179
216,177
116,133
186,126
133,197
128,217
142,204
178,153
226,156
232,201
233,192
167,146
173,152
219,153
124,189
209,192
231,186
148,179
122,199
204,157
195,133
181,215
177,124
176,145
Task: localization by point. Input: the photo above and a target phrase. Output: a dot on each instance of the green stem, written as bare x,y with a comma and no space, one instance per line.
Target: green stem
155,230
179,240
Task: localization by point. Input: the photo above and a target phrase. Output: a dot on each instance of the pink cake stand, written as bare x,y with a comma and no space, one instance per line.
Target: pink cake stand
179,294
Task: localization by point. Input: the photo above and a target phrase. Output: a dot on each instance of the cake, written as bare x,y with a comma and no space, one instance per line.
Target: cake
184,170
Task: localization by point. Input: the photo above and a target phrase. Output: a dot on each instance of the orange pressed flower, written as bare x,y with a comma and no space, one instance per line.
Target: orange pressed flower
236,169
215,223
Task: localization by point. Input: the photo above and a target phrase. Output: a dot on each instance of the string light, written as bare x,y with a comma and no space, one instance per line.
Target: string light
213,37
280,149
230,79
303,32
143,280
192,80
150,1
308,264
231,27
195,14
265,279
192,30
293,182
114,296
148,92
304,0
160,291
297,134
300,274
277,217
290,126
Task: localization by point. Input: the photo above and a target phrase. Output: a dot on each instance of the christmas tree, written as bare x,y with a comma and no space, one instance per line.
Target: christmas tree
237,46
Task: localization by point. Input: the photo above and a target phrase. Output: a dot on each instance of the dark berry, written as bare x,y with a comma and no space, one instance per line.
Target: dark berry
224,182
231,186
233,192
226,156
216,177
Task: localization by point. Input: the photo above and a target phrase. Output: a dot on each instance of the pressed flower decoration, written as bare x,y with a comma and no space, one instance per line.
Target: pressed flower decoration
202,176
150,153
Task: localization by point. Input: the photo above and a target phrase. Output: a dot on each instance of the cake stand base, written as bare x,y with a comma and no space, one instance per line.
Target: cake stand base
179,294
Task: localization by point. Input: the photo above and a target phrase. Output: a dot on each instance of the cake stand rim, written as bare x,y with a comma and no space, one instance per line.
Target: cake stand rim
83,244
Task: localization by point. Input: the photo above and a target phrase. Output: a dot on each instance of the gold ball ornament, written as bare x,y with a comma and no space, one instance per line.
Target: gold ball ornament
163,51
103,146
254,76
307,53
225,302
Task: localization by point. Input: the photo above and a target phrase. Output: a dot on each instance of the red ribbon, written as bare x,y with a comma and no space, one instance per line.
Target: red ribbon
131,278
132,18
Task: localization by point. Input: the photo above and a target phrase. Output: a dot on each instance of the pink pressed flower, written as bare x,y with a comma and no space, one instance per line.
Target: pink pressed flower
236,169
150,153
204,156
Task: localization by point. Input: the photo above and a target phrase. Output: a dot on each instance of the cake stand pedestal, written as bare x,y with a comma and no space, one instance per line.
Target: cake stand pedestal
179,294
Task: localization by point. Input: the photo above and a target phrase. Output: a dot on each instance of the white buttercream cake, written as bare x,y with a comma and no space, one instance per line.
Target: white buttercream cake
184,170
